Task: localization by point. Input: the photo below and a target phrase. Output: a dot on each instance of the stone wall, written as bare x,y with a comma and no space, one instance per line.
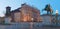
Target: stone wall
47,19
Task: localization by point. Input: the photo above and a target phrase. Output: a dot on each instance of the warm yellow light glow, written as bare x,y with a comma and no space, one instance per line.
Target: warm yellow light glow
32,19
24,19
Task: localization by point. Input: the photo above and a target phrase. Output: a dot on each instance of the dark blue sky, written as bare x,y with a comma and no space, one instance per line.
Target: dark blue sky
40,4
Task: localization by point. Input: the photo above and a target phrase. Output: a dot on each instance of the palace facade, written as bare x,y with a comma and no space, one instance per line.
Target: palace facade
25,13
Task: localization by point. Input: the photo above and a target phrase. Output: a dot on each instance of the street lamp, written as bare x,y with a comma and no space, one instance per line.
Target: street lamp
32,19
56,11
51,16
56,17
31,23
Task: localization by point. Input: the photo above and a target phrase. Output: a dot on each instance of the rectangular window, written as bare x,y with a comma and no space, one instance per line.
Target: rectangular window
34,14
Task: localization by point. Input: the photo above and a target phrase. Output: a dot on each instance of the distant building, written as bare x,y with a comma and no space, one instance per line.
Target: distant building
23,13
2,19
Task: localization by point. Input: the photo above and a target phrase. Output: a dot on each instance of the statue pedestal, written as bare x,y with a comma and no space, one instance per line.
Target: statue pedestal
7,20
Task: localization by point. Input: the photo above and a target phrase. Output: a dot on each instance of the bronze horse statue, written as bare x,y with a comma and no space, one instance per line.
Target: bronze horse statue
48,9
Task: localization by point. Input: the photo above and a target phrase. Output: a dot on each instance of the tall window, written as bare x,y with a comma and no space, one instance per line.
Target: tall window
25,12
34,14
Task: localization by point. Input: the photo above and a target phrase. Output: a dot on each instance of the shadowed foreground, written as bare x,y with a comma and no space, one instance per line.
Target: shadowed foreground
27,25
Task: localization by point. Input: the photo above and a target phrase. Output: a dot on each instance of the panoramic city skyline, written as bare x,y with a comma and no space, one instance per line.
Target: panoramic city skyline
40,4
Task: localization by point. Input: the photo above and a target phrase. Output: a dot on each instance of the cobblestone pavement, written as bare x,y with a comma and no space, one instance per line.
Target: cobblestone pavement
26,25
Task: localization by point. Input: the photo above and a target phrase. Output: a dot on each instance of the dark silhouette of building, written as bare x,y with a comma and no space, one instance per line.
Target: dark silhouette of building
8,8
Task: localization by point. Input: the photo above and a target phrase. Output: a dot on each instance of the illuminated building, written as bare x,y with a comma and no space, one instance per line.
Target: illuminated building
25,13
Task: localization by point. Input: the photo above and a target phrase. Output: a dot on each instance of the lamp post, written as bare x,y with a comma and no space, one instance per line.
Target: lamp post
56,17
31,27
51,16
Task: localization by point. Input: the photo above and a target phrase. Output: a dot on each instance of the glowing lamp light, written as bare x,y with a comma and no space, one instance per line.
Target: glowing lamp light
32,19
24,19
56,11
